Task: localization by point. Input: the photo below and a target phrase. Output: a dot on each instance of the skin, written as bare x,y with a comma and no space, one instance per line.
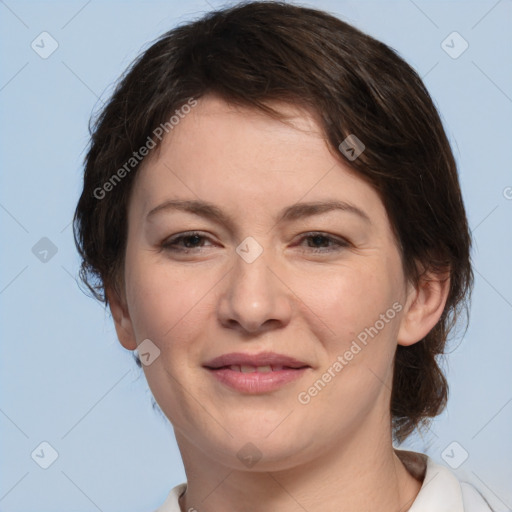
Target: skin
335,453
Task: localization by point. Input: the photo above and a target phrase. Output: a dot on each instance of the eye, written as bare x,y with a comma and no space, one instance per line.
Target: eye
322,242
317,242
184,242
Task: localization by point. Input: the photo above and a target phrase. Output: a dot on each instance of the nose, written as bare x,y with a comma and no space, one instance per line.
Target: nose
255,298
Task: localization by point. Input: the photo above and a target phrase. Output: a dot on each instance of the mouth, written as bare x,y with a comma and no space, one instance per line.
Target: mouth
255,374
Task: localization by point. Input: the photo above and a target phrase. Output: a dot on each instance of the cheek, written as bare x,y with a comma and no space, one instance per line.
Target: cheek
167,303
362,312
357,314
349,299
169,309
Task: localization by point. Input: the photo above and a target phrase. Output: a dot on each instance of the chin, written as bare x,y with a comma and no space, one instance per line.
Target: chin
249,450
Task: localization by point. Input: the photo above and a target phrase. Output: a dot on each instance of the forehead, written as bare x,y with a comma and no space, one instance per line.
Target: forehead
244,136
242,158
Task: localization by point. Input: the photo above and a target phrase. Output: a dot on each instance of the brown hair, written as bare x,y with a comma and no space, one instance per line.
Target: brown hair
252,54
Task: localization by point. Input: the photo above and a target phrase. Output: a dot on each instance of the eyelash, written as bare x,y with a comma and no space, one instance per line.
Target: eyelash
338,244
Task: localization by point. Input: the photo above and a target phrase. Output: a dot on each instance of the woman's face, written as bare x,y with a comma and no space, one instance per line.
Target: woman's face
254,267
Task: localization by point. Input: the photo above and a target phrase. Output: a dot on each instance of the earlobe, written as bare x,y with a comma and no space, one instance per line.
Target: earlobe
122,320
424,307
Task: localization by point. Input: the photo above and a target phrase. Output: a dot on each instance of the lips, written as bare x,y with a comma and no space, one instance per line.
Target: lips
255,374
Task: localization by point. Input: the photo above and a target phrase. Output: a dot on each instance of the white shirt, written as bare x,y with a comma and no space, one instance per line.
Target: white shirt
441,491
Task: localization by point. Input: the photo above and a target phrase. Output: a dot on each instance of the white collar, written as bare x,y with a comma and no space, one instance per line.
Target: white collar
440,490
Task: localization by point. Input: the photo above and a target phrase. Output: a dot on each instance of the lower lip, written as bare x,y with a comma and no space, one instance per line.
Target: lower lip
257,382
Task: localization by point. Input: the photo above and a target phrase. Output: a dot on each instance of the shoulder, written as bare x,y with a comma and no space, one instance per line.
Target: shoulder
441,490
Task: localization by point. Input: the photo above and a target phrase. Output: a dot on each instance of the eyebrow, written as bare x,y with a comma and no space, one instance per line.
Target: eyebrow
291,213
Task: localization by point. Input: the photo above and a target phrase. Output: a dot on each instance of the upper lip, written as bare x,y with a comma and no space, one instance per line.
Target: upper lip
261,359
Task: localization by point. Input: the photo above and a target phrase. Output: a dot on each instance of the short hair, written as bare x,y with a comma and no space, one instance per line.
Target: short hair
257,53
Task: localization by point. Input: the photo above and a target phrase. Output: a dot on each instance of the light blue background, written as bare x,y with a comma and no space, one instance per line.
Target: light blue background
65,379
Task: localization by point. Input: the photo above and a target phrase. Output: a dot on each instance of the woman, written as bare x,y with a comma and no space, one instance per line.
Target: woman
271,210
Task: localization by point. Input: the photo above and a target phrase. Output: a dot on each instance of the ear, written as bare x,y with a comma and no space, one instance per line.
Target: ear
122,320
424,306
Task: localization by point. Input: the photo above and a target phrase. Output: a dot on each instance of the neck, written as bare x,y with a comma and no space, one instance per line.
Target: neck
361,474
